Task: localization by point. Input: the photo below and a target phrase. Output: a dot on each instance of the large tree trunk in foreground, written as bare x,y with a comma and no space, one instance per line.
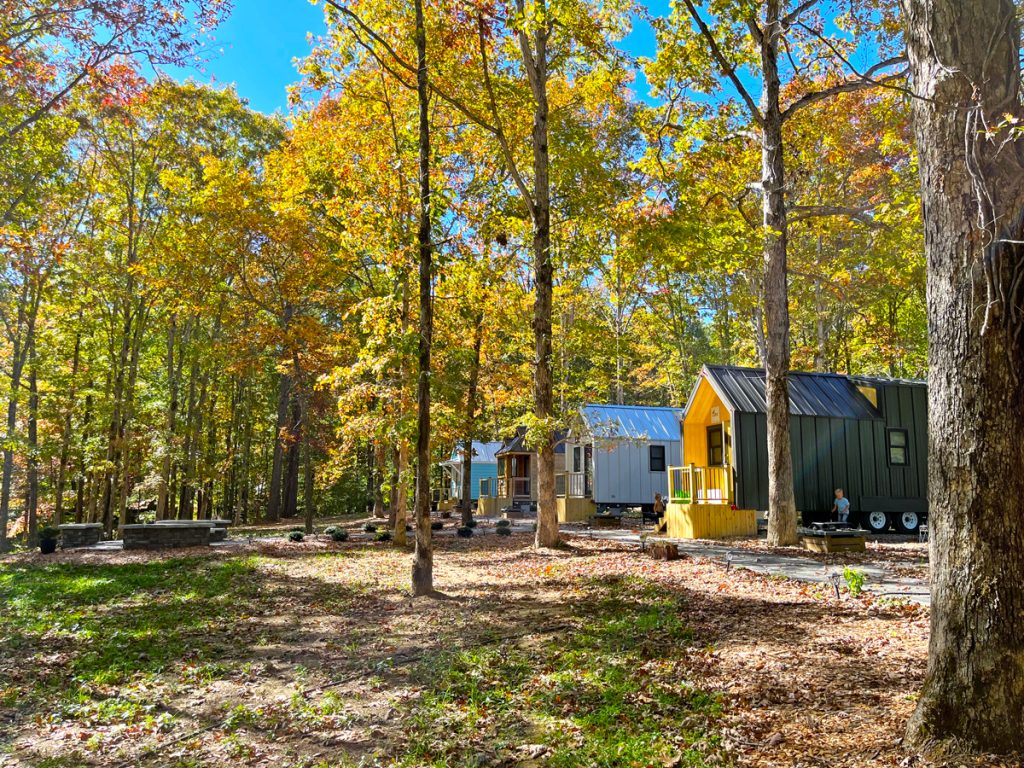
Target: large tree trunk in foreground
423,558
964,64
782,523
535,61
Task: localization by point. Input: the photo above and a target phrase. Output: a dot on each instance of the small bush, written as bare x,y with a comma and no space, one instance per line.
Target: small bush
382,536
296,536
369,527
465,532
503,531
504,523
339,534
854,580
297,529
436,525
330,529
471,524
49,533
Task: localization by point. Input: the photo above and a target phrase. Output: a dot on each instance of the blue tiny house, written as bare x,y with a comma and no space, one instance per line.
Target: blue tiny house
484,466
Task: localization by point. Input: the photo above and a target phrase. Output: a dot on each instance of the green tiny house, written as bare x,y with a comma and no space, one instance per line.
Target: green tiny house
865,435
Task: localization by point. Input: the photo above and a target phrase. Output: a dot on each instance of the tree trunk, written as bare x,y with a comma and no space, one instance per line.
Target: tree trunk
966,75
171,417
423,557
782,523
65,437
277,471
535,61
32,484
307,480
400,493
466,492
291,480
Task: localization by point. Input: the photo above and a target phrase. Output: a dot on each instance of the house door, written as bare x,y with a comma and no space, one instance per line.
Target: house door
716,445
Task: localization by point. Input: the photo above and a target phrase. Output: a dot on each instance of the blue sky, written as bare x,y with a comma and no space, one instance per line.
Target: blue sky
256,47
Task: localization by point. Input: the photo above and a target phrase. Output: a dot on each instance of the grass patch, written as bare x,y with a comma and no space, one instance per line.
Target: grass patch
611,692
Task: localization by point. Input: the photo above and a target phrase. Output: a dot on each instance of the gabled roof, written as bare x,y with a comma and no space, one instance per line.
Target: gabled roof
517,444
641,422
483,453
810,394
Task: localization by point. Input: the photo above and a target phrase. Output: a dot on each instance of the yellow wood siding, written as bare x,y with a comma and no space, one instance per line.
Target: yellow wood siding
709,521
697,421
575,510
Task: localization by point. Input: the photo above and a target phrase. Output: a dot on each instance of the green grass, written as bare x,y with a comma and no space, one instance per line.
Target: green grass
613,692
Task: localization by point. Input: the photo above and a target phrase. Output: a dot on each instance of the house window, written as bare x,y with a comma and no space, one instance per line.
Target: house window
576,458
657,458
898,448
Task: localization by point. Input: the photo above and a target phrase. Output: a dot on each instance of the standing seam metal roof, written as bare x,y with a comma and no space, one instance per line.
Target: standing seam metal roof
810,394
632,421
482,453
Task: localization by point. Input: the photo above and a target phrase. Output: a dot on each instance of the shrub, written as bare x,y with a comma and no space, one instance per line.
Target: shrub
436,525
382,536
465,532
369,527
339,534
296,536
49,533
298,529
329,530
503,531
854,580
504,523
471,524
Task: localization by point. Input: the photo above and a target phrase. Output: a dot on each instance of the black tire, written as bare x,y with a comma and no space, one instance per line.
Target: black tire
876,522
907,522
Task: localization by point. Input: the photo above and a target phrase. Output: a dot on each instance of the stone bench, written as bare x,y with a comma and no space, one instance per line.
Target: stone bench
74,535
168,534
218,527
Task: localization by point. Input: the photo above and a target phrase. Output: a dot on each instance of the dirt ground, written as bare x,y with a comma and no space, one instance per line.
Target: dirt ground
324,665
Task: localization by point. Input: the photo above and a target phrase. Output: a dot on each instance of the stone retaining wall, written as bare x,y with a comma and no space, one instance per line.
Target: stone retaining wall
74,535
166,536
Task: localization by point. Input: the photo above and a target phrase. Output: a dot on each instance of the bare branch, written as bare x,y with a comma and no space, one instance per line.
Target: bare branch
862,215
727,68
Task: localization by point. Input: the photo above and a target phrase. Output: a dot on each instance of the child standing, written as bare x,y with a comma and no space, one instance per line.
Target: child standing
842,506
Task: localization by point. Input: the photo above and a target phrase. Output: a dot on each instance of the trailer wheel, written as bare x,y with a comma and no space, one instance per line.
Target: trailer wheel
876,522
907,522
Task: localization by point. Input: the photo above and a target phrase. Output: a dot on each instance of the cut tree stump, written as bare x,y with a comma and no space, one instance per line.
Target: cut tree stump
663,551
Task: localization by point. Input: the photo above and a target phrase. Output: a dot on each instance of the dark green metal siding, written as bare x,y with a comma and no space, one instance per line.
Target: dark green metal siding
830,452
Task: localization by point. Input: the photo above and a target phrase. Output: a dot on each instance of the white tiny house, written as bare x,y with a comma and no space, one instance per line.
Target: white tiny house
620,454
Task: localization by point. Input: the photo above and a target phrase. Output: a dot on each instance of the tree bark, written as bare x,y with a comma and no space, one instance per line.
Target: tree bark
782,522
533,46
466,492
307,480
423,556
966,76
65,439
32,483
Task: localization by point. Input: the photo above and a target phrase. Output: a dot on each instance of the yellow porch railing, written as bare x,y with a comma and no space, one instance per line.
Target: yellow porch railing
700,485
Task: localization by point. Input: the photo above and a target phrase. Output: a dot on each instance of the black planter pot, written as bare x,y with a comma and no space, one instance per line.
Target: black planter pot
47,546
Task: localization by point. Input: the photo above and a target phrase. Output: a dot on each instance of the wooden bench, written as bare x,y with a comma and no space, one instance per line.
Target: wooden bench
829,537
